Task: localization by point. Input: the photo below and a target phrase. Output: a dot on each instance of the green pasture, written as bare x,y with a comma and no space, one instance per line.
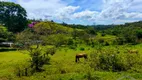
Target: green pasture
63,66
9,60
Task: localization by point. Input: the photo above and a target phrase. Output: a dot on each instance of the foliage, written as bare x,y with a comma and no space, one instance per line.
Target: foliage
51,28
113,60
57,40
81,35
7,49
23,69
128,33
31,42
5,35
91,30
70,41
139,34
26,39
13,16
82,49
38,60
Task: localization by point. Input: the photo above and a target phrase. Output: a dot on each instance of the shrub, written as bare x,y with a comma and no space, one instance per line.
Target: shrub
106,44
6,49
110,60
23,69
101,40
139,34
51,51
38,60
70,42
82,49
72,47
120,41
103,34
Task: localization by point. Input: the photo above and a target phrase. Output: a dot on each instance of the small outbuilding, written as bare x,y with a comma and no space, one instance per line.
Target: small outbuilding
6,44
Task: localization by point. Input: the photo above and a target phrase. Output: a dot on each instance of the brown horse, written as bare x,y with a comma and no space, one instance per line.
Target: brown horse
81,55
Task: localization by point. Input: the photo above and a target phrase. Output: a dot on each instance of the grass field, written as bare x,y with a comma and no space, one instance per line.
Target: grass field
9,60
63,67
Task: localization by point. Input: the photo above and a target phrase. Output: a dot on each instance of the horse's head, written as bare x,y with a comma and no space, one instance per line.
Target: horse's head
85,56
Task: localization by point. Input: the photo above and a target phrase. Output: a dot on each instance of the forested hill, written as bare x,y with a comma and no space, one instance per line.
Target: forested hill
52,27
134,24
102,27
125,33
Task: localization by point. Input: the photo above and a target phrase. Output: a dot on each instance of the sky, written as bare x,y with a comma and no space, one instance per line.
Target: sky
86,12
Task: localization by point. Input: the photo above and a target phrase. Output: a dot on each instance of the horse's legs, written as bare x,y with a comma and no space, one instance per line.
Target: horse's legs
78,59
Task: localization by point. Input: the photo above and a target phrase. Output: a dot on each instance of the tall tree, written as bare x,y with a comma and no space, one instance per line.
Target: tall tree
13,16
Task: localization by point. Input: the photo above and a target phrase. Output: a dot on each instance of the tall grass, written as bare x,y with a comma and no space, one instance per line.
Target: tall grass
114,60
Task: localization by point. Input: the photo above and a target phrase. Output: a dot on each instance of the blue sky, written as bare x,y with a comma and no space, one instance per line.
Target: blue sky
84,11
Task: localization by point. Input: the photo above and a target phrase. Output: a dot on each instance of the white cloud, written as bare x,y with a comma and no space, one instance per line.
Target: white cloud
41,8
133,15
113,11
87,14
66,12
6,0
48,9
116,11
136,6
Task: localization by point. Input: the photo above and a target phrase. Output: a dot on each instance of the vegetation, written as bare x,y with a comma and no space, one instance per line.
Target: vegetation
46,50
5,35
13,16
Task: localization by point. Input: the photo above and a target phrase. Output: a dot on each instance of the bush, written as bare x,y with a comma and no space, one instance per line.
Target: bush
106,44
70,42
38,59
72,47
110,60
51,51
101,41
23,69
82,49
103,34
6,49
139,34
120,41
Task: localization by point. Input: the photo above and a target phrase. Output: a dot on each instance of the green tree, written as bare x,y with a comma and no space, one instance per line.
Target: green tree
139,34
13,16
31,41
57,40
5,35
